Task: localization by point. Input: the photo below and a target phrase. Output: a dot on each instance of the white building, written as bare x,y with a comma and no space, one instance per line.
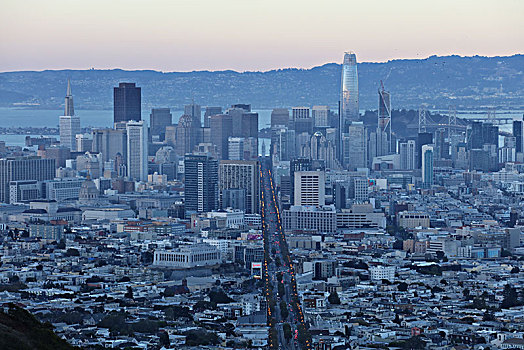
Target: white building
320,115
69,127
235,148
187,257
310,187
253,220
322,219
223,246
407,155
361,216
62,189
69,123
378,273
137,150
234,218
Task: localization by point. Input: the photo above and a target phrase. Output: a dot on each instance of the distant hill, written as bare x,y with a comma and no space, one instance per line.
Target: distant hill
19,330
468,82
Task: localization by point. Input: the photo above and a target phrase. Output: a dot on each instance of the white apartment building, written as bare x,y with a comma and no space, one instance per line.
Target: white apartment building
186,257
310,187
378,273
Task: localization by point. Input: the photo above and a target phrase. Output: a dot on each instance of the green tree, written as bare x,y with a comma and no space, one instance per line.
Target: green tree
200,336
510,297
164,339
287,331
219,297
284,312
414,343
402,287
333,298
129,293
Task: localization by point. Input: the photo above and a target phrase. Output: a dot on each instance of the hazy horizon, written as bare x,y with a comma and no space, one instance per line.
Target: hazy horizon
253,70
249,35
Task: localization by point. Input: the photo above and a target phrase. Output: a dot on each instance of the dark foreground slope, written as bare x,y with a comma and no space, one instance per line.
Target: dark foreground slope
19,330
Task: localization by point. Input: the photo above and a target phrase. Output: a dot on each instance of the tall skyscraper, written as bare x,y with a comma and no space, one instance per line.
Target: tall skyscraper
384,141
302,121
427,165
201,183
160,118
518,133
195,112
110,143
241,175
349,91
282,143
279,117
127,101
235,148
310,187
322,151
320,116
137,142
221,130
69,108
423,138
357,146
69,123
407,152
186,135
23,168
209,112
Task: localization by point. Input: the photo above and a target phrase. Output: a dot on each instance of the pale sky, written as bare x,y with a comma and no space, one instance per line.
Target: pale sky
186,35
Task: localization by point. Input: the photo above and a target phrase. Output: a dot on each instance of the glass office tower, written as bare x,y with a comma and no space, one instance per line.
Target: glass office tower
349,91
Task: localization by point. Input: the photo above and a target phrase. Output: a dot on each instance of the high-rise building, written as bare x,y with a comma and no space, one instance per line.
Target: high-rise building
384,140
209,112
309,189
245,107
23,168
235,148
195,112
302,121
407,155
427,165
84,143
518,133
110,143
69,108
480,134
357,146
320,116
282,143
322,150
244,122
137,142
69,122
242,175
221,126
186,135
201,183
160,118
59,153
423,138
170,138
127,102
280,117
349,92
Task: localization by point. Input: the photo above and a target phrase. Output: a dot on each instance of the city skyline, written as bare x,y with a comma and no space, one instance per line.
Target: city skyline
204,35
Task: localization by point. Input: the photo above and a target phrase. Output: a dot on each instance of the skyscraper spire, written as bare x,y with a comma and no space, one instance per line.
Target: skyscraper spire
69,108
